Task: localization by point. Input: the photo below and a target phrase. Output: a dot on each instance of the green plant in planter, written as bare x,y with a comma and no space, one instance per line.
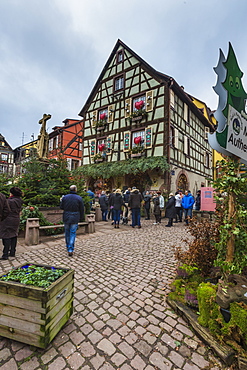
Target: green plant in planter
98,156
137,149
206,294
33,275
201,252
100,123
138,113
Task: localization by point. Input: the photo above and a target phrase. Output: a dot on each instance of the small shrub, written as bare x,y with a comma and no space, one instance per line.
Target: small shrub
201,252
33,212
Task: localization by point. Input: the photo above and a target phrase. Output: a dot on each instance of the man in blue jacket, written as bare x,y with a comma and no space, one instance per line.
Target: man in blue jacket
73,207
187,204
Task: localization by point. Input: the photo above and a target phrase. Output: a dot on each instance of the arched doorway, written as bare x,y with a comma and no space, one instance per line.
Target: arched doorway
100,184
141,181
182,182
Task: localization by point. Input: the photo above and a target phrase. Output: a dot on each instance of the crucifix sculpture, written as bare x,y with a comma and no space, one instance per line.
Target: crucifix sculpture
43,138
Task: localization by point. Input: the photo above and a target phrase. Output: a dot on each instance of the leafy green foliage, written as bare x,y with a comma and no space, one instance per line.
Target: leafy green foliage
5,184
120,168
43,183
33,212
231,181
34,275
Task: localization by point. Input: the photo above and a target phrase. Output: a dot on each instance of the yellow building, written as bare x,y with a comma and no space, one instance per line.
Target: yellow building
216,156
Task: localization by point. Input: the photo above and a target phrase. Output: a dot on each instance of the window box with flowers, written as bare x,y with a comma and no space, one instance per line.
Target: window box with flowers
139,112
138,115
99,157
137,151
101,124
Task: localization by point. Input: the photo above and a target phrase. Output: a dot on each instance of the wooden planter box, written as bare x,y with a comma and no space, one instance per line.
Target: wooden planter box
35,315
136,155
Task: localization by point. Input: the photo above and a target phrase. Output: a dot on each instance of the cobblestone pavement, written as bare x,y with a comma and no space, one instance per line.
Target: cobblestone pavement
120,319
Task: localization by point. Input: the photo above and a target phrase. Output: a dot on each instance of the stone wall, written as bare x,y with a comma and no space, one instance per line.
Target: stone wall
52,214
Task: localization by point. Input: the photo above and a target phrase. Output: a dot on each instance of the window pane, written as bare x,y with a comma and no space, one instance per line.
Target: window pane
140,134
139,103
119,83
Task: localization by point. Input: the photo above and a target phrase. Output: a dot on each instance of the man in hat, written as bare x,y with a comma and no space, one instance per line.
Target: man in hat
135,200
170,210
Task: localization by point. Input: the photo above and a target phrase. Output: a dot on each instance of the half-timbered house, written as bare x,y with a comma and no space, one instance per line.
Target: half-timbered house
23,154
66,141
135,113
6,157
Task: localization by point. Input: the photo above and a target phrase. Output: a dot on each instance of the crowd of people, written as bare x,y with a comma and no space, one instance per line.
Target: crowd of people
126,206
116,206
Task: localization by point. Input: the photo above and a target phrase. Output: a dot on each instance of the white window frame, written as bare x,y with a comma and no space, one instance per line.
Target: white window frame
119,83
137,99
136,134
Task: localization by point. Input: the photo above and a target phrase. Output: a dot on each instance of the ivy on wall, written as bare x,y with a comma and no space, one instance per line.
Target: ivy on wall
128,166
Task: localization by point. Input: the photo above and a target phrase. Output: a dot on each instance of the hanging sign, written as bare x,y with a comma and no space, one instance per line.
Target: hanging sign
230,137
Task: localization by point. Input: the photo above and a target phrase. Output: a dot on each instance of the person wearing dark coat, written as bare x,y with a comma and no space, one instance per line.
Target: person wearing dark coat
9,227
110,215
4,207
73,207
117,202
198,201
156,210
135,200
170,210
103,202
147,199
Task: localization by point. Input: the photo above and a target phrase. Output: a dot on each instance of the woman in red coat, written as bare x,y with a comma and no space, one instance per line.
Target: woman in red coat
9,227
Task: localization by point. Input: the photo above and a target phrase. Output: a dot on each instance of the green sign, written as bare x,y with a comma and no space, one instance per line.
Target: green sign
230,137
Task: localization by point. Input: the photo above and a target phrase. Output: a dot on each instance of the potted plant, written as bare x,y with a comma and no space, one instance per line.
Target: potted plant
101,124
218,251
97,158
139,112
137,151
35,301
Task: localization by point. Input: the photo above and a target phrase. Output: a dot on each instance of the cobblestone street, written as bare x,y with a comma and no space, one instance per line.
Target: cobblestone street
120,319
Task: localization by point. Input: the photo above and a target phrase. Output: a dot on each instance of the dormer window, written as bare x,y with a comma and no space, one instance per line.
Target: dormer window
120,56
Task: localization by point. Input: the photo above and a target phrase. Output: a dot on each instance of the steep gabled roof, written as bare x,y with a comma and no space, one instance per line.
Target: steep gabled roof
157,75
160,77
6,146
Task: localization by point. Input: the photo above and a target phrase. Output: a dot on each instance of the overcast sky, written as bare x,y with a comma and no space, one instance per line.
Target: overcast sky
52,51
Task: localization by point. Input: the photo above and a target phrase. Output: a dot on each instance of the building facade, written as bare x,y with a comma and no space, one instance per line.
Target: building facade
136,112
66,141
6,157
22,154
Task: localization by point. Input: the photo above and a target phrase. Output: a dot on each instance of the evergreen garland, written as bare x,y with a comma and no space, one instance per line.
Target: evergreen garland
120,168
